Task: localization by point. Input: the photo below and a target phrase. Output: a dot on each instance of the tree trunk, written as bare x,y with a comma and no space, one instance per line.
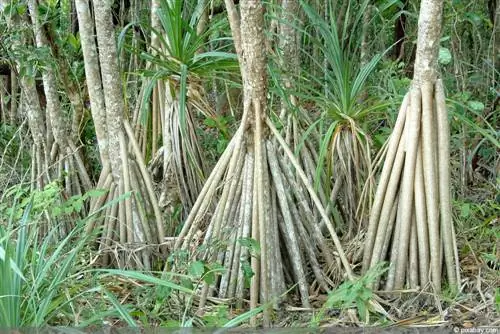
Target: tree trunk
126,179
110,76
64,151
30,104
259,199
424,204
93,77
429,35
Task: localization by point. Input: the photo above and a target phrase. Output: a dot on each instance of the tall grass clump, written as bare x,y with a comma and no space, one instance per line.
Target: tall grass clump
36,273
44,281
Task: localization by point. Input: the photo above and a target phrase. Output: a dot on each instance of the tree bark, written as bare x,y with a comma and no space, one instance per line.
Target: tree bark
93,77
429,34
111,81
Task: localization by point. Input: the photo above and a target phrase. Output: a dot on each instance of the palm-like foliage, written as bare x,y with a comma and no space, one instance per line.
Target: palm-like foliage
342,96
180,62
177,65
179,55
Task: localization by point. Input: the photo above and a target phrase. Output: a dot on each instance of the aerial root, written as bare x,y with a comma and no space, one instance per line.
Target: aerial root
126,226
237,205
411,214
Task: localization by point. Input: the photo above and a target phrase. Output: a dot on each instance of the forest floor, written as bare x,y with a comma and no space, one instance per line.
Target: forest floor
476,307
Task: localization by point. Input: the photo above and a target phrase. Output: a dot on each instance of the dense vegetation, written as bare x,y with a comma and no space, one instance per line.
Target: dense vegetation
206,164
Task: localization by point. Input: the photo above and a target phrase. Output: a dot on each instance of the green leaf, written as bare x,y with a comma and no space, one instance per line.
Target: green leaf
13,266
221,145
197,268
473,18
96,193
465,210
464,96
74,41
77,206
21,9
122,311
244,317
444,56
171,324
251,244
209,277
210,122
211,271
146,278
365,294
362,310
476,106
247,269
186,282
56,211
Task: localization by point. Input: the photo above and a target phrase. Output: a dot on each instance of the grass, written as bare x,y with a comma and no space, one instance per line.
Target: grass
44,282
40,278
35,273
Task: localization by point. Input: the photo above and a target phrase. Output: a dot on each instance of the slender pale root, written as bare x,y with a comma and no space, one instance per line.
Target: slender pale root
255,261
413,257
148,184
261,170
390,227
125,178
207,191
307,214
383,183
451,258
314,197
430,181
407,185
388,202
421,217
389,284
246,220
288,229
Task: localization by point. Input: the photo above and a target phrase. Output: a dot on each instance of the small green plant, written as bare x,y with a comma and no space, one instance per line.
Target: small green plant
42,280
167,284
352,294
479,230
169,301
35,273
217,317
12,257
47,200
221,124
